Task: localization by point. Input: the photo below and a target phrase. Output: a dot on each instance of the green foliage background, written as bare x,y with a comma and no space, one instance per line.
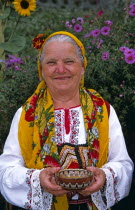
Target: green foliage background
103,76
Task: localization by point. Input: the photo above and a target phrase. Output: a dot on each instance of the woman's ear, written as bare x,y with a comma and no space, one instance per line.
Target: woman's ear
82,71
42,73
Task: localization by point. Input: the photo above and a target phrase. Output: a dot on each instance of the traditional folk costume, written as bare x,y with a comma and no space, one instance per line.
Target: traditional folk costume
86,135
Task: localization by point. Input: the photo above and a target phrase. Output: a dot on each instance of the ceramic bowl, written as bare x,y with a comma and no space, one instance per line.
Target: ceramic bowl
74,179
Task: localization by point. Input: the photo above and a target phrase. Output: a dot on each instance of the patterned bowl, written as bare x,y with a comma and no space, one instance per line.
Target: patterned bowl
74,179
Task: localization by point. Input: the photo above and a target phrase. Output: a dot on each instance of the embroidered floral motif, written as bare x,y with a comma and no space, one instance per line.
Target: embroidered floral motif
37,191
115,182
96,144
30,109
50,161
98,103
30,114
107,195
74,127
29,195
94,155
43,136
93,137
37,198
60,126
90,123
97,199
48,153
47,200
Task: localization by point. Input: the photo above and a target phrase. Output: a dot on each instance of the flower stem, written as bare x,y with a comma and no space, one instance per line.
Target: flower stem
2,55
1,37
13,31
127,10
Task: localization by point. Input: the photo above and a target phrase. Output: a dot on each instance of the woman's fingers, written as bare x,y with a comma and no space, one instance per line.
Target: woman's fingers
99,180
47,180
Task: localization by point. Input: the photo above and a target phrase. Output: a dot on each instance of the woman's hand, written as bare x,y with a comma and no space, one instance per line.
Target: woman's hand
99,181
47,181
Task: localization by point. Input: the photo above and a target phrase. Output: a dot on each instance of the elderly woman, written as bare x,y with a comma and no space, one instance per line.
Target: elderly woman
63,125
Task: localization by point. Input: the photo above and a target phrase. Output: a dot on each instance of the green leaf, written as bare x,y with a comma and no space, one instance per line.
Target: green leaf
5,14
15,45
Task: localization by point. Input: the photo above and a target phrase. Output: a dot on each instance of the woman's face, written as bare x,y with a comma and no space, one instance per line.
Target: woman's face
61,67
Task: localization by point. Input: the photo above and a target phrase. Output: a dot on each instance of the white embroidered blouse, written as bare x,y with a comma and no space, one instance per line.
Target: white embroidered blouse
21,186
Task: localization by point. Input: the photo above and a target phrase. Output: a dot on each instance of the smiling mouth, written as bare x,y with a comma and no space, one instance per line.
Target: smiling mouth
62,78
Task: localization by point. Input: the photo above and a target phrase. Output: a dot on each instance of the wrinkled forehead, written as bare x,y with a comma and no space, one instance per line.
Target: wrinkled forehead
62,45
61,39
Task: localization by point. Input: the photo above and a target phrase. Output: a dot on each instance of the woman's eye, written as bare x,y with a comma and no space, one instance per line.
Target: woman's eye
51,62
70,61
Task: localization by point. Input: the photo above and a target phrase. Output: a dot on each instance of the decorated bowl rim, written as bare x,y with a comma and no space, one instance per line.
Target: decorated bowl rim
87,173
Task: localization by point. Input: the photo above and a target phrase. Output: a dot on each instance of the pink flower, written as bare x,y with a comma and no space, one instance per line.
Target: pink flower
78,27
105,30
132,12
67,23
70,26
108,22
73,21
105,56
130,59
101,12
80,19
123,48
17,68
129,51
120,95
95,32
132,6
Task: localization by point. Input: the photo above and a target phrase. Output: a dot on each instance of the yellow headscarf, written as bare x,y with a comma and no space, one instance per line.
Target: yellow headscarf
36,125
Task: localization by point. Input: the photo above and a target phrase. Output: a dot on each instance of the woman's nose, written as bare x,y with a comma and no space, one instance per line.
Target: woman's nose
61,68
